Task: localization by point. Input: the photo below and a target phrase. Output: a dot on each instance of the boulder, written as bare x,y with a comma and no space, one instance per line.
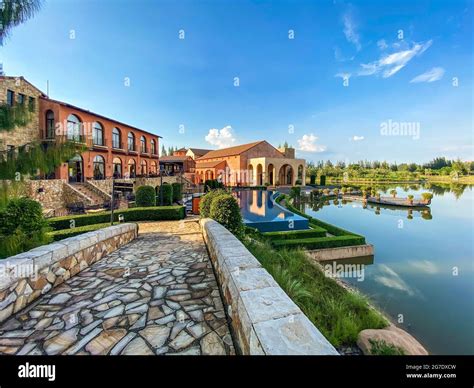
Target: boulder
392,335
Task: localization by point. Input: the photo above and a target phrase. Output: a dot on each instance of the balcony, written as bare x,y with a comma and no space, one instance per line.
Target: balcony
100,146
118,148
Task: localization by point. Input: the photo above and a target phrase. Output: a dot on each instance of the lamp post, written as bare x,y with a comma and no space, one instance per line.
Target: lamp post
112,200
161,183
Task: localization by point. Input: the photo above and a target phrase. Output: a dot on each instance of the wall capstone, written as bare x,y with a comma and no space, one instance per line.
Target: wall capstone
263,318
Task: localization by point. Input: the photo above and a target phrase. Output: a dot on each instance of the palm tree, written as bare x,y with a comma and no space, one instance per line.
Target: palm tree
15,12
410,199
427,197
394,193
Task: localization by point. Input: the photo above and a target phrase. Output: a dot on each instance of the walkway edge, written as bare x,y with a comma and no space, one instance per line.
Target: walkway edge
264,320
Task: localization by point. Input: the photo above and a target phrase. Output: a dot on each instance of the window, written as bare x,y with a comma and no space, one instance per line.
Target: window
98,134
153,146
117,168
132,168
21,98
99,167
50,132
10,97
116,141
143,144
131,141
73,128
143,168
31,104
153,167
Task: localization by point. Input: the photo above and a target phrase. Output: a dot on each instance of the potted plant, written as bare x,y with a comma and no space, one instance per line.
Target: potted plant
336,192
394,193
377,195
410,199
427,197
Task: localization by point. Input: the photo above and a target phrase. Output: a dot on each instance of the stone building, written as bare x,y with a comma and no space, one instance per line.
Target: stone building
257,163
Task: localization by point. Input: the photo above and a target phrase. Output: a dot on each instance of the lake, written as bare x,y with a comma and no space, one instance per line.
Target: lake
423,270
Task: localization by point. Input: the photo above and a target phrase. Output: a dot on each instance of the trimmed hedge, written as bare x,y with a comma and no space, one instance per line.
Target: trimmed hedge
226,211
295,234
177,191
321,242
206,200
71,232
159,213
167,194
145,196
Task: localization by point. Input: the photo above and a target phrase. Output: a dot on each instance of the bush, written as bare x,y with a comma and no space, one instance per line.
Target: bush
296,234
22,226
312,179
225,210
205,202
295,192
427,196
145,196
320,242
177,191
212,184
158,213
167,191
298,182
71,232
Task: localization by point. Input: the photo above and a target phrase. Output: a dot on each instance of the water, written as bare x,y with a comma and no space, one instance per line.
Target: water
259,211
423,270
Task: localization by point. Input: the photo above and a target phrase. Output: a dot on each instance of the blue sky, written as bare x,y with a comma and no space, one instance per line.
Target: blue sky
350,69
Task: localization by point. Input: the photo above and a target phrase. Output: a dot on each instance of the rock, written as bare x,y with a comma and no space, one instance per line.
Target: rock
155,335
60,298
114,312
105,341
61,342
46,288
211,344
181,341
137,347
392,336
159,292
197,330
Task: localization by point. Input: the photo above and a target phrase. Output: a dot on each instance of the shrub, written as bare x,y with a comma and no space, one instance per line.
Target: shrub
157,213
205,202
225,210
296,234
167,191
382,348
312,179
298,182
145,196
427,197
295,192
22,226
320,242
177,191
212,184
71,232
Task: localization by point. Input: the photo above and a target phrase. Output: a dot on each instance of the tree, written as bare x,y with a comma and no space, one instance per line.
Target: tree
15,12
163,151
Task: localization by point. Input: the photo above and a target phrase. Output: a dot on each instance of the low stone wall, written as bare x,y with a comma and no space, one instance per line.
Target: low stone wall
330,254
263,318
106,184
25,277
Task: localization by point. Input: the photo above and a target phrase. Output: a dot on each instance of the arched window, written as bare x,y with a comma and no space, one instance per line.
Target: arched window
50,132
117,162
99,167
152,167
73,128
116,140
132,170
153,147
142,144
98,134
143,170
131,141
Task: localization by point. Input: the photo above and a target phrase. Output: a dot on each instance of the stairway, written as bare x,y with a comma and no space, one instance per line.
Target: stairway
94,198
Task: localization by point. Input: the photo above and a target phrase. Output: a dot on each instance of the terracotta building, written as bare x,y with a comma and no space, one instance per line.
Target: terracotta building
112,147
257,163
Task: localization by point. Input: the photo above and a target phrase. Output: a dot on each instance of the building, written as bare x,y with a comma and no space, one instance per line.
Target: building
257,163
196,153
177,164
112,147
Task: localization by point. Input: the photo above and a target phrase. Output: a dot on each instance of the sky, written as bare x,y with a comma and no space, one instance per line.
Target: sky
384,80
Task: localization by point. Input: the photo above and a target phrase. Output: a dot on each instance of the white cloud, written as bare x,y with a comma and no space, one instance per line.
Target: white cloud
435,74
382,44
308,143
425,266
343,75
390,64
357,138
350,30
221,138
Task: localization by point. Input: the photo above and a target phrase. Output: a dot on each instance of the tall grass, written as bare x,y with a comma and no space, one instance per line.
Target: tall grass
338,313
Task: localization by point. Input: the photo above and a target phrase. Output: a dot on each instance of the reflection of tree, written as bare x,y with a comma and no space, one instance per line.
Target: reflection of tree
426,214
410,214
441,188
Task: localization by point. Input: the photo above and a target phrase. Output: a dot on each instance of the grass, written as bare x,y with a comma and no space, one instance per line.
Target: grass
338,313
381,348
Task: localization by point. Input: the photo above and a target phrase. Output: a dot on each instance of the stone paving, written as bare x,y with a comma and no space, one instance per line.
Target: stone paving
156,295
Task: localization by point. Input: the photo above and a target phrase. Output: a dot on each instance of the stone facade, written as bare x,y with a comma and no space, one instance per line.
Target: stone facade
106,184
264,320
20,135
27,276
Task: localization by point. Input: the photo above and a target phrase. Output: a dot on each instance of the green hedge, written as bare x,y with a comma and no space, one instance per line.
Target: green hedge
145,196
296,234
71,232
167,194
177,191
158,213
321,242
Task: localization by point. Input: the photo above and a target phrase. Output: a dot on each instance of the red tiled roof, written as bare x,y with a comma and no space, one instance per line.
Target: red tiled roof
199,151
230,151
209,164
174,158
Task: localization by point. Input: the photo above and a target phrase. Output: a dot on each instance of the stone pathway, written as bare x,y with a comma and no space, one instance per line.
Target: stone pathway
156,295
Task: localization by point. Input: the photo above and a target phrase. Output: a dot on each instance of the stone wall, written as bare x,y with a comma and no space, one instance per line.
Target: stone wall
48,192
263,318
27,276
30,132
106,184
